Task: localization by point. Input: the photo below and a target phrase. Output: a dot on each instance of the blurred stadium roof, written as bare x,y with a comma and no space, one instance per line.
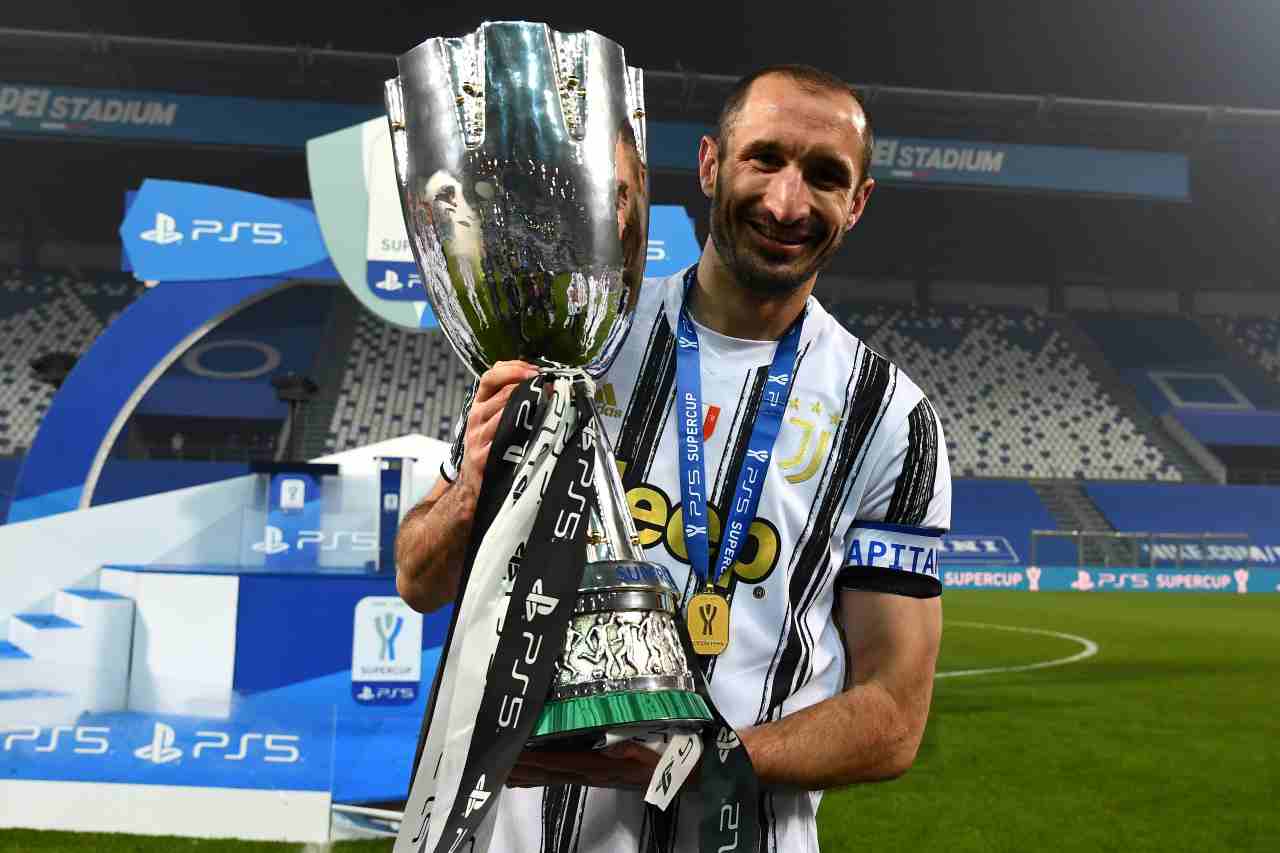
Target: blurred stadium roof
1181,75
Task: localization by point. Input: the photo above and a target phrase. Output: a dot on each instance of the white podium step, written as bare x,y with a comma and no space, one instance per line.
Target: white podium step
82,650
28,694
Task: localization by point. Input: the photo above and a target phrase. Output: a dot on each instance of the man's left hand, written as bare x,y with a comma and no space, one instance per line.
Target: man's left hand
625,765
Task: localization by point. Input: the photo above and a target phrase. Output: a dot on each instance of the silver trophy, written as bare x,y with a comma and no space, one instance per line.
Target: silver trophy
520,156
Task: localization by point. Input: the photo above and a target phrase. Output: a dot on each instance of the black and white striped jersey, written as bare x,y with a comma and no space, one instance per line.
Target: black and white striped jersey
857,495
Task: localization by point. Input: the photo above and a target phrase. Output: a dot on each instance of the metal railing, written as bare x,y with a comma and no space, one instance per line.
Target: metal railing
1184,545
1038,107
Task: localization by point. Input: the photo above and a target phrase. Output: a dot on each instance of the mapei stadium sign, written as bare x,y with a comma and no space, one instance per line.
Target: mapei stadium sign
70,111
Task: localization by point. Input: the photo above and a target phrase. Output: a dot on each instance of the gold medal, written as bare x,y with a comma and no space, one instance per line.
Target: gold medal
708,619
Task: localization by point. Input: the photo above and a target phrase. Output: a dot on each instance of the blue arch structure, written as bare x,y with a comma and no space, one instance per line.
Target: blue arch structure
61,469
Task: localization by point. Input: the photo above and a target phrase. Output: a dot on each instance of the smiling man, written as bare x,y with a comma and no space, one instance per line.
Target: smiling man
825,487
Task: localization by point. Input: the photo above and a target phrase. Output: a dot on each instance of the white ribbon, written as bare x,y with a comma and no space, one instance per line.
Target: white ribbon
462,684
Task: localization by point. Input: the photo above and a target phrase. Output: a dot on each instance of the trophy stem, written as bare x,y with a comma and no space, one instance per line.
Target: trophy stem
611,535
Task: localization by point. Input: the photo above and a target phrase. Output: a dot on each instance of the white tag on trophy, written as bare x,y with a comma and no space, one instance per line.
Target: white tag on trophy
677,762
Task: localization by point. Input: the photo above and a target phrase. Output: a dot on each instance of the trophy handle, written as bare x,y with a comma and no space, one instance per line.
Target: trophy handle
394,97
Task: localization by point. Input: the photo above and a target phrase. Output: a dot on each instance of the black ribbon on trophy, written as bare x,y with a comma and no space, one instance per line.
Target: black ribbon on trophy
525,198
542,454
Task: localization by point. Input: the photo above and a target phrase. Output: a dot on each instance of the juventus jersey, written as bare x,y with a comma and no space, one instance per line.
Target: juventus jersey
857,496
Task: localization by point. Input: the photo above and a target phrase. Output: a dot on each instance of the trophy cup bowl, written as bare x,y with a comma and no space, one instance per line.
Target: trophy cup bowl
520,156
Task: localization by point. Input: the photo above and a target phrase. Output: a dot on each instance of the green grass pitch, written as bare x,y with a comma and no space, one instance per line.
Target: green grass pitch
1168,739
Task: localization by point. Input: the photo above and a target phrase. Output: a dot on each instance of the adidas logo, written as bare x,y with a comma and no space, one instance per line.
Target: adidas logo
606,401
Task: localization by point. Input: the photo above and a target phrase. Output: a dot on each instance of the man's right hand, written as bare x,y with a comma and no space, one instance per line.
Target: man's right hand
496,386
432,543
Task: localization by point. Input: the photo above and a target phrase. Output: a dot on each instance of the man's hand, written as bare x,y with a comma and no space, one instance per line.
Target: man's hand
496,387
432,543
624,765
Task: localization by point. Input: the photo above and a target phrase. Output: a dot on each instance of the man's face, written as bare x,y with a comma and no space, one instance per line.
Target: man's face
786,187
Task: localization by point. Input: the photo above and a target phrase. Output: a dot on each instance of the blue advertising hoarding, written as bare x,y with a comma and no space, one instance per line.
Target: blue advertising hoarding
1230,580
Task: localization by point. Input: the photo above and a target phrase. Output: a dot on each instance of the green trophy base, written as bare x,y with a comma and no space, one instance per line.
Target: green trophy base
567,723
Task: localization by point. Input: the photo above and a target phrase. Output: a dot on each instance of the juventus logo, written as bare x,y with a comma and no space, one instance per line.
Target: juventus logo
537,604
687,343
759,455
779,379
804,463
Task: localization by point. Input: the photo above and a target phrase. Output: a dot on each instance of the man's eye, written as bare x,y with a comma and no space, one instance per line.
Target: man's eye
827,180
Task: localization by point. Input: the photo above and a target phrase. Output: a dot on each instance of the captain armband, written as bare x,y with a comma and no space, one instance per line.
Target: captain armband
895,558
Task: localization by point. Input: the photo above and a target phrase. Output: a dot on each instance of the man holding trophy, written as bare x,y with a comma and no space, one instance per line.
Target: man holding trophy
740,602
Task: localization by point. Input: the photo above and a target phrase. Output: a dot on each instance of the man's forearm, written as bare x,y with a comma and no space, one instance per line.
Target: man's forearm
860,735
431,548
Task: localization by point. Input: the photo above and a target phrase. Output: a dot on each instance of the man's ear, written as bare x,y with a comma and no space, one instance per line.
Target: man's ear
708,165
859,202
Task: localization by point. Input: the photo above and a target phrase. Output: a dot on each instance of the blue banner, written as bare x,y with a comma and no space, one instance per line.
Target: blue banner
247,751
673,245
1146,174
292,507
176,231
71,111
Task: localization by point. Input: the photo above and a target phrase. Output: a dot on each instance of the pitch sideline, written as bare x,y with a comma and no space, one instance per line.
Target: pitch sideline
1090,648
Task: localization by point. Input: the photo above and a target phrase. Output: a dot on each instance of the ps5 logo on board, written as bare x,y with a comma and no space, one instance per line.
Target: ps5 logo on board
166,233
272,541
161,749
357,540
391,282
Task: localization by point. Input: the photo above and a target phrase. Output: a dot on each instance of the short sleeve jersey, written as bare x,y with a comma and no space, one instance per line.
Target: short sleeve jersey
857,496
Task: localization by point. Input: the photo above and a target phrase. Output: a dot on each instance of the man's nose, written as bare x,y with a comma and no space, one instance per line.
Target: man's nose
787,197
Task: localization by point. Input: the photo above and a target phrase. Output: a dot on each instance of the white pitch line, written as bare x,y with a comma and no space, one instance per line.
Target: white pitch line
1090,649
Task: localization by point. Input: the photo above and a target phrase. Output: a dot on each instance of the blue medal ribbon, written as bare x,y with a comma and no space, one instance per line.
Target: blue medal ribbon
764,433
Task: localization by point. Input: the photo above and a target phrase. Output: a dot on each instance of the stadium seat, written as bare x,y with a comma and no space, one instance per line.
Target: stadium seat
43,312
1014,398
396,382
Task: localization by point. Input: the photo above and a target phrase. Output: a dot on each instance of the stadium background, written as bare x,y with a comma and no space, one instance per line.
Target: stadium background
1100,362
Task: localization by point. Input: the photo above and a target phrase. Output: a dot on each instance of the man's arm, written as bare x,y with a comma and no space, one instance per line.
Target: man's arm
870,731
432,543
